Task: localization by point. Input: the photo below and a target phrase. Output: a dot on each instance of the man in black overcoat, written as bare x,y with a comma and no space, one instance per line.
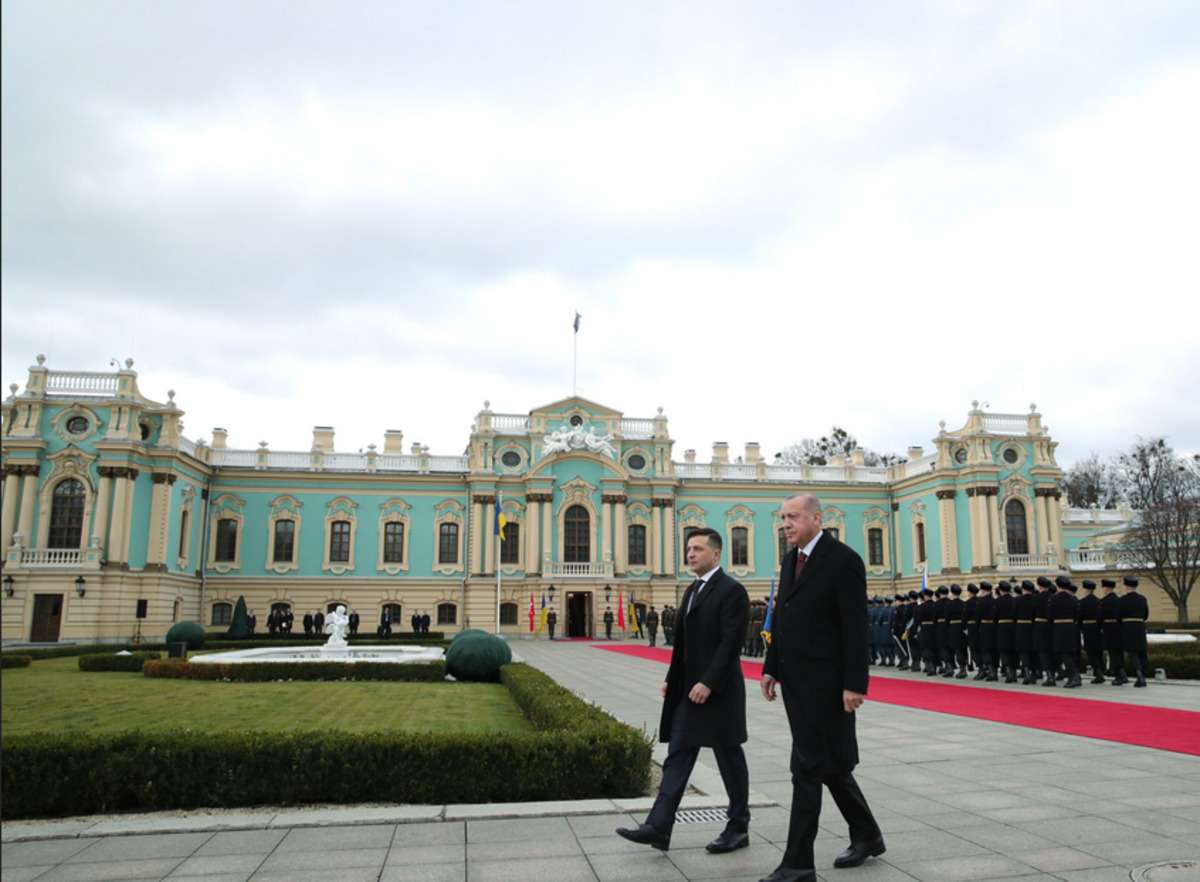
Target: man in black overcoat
1042,639
955,612
1110,624
308,624
985,612
818,657
1089,626
608,623
1006,632
652,624
1064,631
1023,612
354,622
704,698
971,621
1135,611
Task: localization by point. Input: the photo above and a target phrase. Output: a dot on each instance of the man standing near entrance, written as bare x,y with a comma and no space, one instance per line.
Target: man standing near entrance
818,655
608,622
652,624
704,698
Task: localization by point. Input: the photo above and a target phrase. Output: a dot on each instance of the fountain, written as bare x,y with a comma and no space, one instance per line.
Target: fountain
335,649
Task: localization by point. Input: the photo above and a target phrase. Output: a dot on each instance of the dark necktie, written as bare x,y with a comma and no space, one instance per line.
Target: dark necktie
696,586
801,559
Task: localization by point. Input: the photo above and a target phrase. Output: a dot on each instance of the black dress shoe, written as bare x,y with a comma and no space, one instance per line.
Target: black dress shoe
729,840
644,834
787,874
859,852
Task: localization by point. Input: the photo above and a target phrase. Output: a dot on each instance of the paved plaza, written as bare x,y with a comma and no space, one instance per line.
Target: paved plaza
958,799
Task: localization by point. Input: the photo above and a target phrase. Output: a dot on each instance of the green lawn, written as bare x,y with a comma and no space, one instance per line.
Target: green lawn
55,696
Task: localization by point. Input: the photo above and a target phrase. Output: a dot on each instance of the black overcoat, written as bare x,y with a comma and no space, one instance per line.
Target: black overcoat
1134,612
1089,623
707,649
1064,615
1006,632
1110,615
818,649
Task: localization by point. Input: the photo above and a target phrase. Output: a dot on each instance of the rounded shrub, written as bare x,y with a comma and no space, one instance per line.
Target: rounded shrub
478,657
466,632
190,633
15,661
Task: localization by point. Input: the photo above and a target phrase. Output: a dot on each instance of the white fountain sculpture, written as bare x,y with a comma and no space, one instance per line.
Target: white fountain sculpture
337,626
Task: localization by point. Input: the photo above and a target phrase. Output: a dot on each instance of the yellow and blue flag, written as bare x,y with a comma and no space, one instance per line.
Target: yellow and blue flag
545,613
766,631
501,521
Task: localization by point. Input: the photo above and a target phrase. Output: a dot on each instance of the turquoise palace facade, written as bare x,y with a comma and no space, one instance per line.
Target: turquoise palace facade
109,512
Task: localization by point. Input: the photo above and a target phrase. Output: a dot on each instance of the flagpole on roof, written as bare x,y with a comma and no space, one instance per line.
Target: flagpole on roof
575,356
498,539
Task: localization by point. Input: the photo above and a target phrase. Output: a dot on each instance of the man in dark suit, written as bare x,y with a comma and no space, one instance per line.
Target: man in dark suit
308,624
818,655
354,622
704,698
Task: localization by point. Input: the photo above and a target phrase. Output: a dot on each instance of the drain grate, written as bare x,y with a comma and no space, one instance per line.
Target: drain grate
701,816
1168,871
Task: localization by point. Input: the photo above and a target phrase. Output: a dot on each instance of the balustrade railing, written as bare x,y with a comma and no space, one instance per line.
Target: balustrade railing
1040,561
246,459
344,462
447,463
1088,558
187,446
1006,423
54,558
564,570
397,462
637,428
81,383
510,421
289,459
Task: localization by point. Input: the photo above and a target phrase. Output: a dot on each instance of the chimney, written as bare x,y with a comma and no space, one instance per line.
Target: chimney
323,439
915,453
220,439
720,452
753,456
393,441
858,457
689,455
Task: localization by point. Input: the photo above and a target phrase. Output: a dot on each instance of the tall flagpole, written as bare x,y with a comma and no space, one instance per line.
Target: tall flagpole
575,356
496,530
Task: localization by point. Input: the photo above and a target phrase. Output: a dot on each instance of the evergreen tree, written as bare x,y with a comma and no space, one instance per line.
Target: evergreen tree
239,628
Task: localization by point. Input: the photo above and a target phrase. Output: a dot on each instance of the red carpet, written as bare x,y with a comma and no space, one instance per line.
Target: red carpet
1161,728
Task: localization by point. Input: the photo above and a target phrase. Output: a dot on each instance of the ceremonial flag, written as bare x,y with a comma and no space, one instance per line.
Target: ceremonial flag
501,521
634,624
766,631
925,578
621,610
577,318
530,610
545,613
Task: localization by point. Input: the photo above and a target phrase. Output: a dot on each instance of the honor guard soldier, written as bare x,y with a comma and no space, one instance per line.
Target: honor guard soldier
608,622
985,611
886,630
652,624
1135,611
1064,615
971,620
928,612
872,629
899,617
1023,613
942,628
1089,626
1110,628
1006,634
958,641
1042,642
908,632
551,622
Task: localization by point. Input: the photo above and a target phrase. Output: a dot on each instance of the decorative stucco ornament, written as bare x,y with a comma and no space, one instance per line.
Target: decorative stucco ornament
566,439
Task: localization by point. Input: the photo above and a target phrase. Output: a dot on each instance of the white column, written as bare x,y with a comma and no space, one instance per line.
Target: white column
1054,504
949,526
669,540
655,540
118,525
547,531
160,513
476,559
489,538
621,559
100,513
28,495
532,563
606,546
993,526
897,543
12,488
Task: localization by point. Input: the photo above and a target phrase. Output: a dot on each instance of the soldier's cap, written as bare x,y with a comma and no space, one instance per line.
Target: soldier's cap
943,590
1130,582
972,588
1074,589
1026,584
1089,585
1062,581
902,596
1108,583
985,586
956,589
912,595
1004,586
887,600
1043,582
927,592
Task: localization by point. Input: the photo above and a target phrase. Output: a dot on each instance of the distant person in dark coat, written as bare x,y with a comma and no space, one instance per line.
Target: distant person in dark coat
608,622
1110,616
308,624
319,623
652,624
1135,611
354,622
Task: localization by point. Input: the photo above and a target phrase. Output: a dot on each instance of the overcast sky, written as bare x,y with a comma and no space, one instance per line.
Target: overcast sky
774,217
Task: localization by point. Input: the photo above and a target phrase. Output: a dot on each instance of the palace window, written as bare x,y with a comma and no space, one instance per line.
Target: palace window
222,613
339,542
1014,522
185,519
508,614
447,548
393,542
637,462
227,530
739,550
66,514
921,543
285,541
447,614
78,425
875,546
392,611
688,532
576,535
637,545
280,607
510,545
510,458
781,537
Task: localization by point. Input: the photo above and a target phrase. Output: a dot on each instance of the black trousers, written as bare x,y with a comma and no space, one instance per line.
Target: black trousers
677,769
806,812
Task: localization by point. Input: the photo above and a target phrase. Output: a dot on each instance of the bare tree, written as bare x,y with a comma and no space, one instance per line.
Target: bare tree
1094,481
1163,542
839,442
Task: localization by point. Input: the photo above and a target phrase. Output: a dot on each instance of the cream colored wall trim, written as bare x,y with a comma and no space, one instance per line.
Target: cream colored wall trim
69,463
514,513
638,513
393,511
691,515
76,409
187,497
742,517
917,516
877,519
226,506
449,511
836,518
343,508
283,508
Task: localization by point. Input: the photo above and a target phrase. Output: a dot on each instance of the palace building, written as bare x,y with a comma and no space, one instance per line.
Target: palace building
115,524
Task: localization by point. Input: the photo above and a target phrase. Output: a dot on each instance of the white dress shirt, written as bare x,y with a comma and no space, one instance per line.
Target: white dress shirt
703,581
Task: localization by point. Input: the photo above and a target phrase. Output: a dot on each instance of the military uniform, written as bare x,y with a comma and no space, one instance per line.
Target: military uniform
1024,611
551,621
971,623
941,628
652,625
1135,611
1110,629
1042,643
955,610
1006,633
985,611
926,613
668,624
1064,614
887,625
1089,626
608,623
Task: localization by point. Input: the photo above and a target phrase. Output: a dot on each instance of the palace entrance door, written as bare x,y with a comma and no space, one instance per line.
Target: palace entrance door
47,617
579,614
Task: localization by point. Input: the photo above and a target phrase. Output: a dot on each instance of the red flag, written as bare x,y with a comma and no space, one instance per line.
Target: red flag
621,610
530,610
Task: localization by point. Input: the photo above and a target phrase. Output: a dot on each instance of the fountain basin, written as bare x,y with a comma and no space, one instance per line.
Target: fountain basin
348,655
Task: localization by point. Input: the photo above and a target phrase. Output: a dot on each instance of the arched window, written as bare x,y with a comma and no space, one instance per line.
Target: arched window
739,546
577,546
333,605
1014,522
285,541
339,542
508,614
921,543
175,610
66,514
393,542
226,540
222,613
185,521
393,611
447,614
637,545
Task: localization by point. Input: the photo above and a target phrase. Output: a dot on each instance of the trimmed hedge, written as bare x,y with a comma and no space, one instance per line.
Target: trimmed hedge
1177,665
191,633
105,662
580,753
15,661
265,672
